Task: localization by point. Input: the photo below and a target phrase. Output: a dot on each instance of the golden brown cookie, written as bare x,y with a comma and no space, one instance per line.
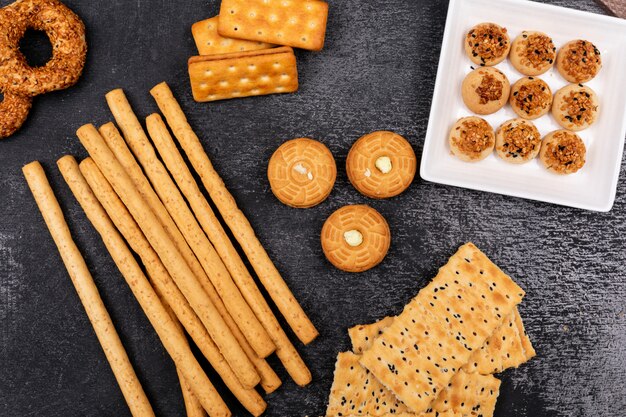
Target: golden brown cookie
575,107
532,53
471,139
578,61
485,90
487,44
517,141
302,172
381,164
531,97
562,152
355,238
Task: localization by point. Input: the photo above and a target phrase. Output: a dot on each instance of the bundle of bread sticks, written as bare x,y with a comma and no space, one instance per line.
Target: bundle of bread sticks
238,53
141,196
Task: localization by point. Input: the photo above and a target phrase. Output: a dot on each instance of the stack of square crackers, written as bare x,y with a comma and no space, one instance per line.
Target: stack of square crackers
238,49
438,357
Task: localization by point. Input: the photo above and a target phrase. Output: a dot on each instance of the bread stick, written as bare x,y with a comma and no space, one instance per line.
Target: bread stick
171,336
213,228
87,292
193,407
165,286
269,380
170,256
234,218
239,310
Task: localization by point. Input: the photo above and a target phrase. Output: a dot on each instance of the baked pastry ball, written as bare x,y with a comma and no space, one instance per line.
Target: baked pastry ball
471,139
578,61
575,107
485,90
302,172
532,53
355,238
487,44
517,141
381,164
562,152
531,97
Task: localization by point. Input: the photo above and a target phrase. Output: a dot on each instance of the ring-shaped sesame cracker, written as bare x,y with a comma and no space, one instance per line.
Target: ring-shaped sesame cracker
66,32
14,110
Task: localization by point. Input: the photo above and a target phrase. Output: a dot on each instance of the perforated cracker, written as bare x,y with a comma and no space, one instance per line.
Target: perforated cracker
506,348
501,351
297,23
469,395
209,42
363,335
355,392
438,331
529,350
243,74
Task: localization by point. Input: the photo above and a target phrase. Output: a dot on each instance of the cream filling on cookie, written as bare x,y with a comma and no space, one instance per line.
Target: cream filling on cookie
300,169
383,164
353,238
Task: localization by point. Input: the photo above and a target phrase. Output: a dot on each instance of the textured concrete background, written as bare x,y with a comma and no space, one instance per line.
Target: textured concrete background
376,72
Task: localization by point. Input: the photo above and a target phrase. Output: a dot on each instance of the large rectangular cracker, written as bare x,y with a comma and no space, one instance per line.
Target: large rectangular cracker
243,74
355,392
438,331
297,23
505,348
210,42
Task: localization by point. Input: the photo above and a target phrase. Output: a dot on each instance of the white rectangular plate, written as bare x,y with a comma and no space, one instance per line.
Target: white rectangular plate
591,188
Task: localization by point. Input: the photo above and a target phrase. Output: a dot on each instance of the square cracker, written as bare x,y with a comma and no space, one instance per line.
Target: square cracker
355,392
297,23
209,42
243,74
439,330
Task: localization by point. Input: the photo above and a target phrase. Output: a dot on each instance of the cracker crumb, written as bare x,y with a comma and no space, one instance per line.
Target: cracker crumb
490,89
567,154
367,172
487,41
539,51
474,137
578,107
533,96
582,60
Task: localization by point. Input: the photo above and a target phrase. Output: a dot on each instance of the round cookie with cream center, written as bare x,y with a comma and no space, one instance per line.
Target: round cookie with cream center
302,172
563,152
518,141
355,238
532,53
531,98
579,61
381,164
487,44
471,139
575,107
485,90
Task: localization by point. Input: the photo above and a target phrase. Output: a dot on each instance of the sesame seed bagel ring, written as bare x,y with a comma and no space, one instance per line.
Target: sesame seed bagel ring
69,49
14,110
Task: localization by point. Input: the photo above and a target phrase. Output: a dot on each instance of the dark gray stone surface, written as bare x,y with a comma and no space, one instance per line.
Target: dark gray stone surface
376,72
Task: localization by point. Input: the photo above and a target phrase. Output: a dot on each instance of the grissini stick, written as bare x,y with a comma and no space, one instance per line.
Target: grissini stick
171,336
211,225
269,380
165,286
87,292
234,217
170,256
193,407
139,143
